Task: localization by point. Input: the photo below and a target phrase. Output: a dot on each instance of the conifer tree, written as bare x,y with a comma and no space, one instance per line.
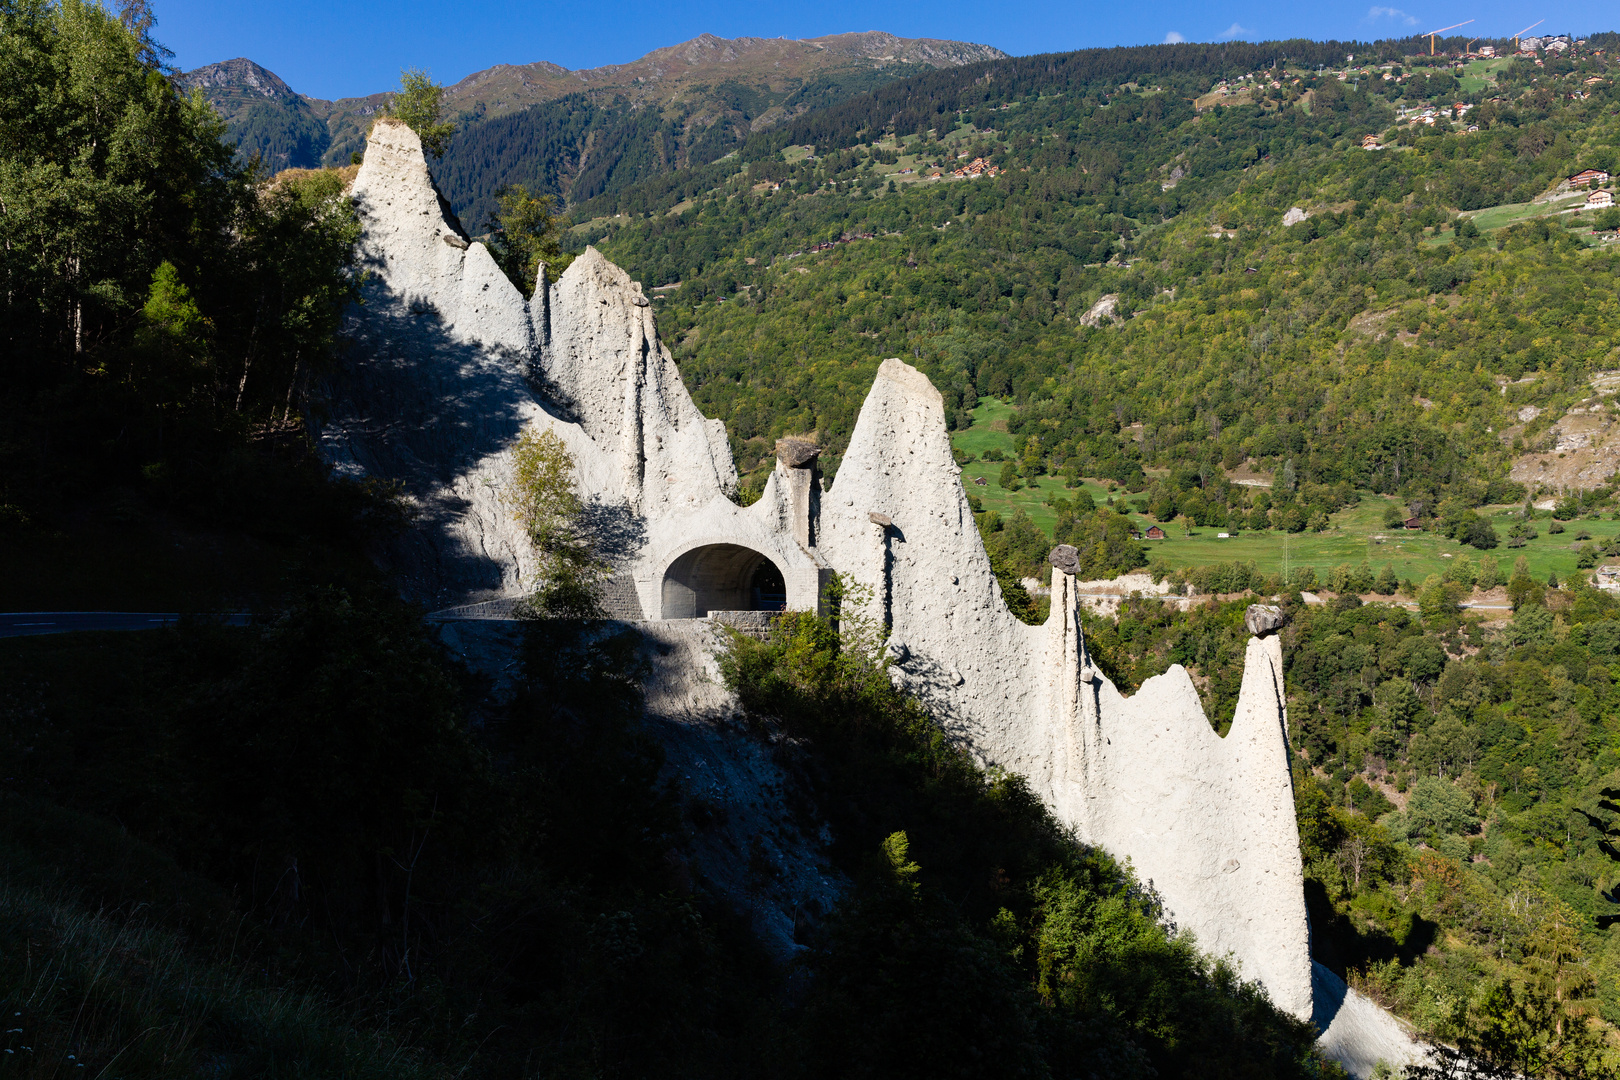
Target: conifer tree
523,234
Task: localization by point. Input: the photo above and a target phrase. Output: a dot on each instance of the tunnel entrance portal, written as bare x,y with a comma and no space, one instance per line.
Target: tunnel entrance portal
722,577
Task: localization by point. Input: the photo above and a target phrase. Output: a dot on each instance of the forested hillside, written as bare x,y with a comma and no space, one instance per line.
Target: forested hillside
1166,287
264,118
584,145
1369,345
163,317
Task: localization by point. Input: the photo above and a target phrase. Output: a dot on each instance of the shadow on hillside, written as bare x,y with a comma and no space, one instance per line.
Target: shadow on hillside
1340,946
411,403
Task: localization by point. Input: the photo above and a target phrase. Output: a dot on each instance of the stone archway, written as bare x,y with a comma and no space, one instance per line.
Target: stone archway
722,577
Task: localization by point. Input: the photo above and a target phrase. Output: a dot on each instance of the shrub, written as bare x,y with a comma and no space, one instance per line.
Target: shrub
1523,590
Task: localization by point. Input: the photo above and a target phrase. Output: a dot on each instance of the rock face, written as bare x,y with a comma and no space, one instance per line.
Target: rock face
1066,557
450,364
1102,312
1262,619
1210,821
1357,1033
796,453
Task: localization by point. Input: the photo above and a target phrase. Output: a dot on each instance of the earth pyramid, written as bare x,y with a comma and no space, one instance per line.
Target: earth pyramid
450,364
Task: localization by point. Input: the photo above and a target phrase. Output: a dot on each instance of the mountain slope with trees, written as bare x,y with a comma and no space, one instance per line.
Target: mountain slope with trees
690,102
1372,346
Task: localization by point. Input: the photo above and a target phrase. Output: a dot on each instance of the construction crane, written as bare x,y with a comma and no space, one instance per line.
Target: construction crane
1430,35
1526,30
1469,48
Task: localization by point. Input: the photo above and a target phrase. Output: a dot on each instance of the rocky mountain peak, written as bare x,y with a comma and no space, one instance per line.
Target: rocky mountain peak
240,76
877,45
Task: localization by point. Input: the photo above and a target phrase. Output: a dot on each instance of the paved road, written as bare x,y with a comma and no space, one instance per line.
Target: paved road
21,623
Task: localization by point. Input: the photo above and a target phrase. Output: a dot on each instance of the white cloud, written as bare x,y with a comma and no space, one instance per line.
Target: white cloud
1391,13
1173,37
1235,31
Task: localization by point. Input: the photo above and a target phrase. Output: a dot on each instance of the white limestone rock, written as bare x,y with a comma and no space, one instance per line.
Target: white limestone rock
1358,1033
1209,821
1102,311
432,394
600,360
450,364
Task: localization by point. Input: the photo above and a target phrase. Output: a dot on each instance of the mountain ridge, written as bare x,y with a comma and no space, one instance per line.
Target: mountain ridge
265,115
787,57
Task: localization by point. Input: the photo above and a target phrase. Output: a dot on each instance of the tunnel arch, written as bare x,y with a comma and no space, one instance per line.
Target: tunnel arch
722,577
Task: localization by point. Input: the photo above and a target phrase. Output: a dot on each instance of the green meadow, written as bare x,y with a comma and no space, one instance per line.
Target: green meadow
1476,75
1353,534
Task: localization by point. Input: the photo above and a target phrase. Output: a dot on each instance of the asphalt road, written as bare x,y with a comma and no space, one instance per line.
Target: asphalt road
22,623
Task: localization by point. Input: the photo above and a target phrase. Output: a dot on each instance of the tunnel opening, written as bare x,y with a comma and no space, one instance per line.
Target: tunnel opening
722,577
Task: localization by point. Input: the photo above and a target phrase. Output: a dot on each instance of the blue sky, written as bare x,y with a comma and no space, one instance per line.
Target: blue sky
337,48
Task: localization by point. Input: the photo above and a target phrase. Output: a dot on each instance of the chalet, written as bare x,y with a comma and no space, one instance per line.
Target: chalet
1599,199
1414,523
1155,533
1589,178
1487,50
974,169
1370,142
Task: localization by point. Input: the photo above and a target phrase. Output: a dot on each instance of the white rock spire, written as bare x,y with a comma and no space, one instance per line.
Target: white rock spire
449,364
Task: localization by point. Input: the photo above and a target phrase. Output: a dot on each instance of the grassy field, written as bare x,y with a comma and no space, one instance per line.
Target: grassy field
989,431
1492,218
1478,74
1352,534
